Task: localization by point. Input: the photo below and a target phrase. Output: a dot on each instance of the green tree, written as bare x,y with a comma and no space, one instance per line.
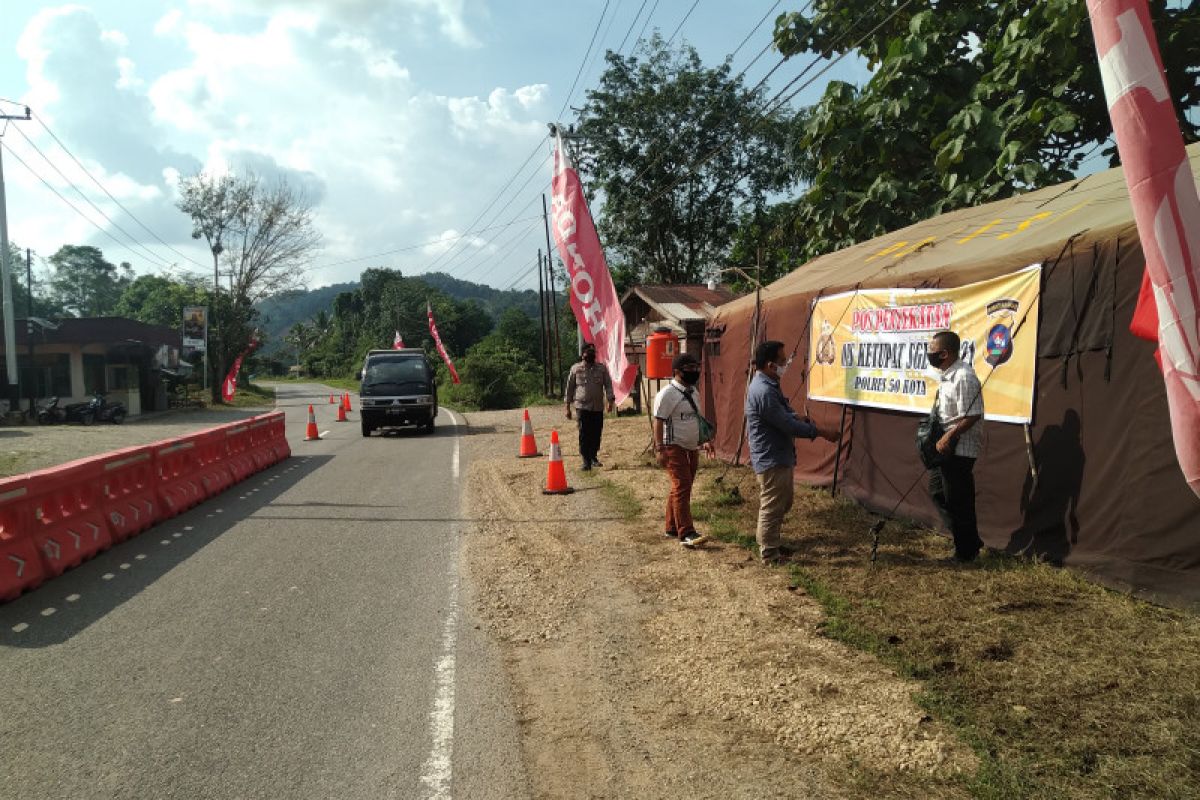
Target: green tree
519,331
160,300
678,151
968,102
84,283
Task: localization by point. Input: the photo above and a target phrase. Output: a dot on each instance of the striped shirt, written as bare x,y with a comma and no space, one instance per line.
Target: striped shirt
961,395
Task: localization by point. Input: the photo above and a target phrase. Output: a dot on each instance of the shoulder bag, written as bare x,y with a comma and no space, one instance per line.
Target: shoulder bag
708,428
929,431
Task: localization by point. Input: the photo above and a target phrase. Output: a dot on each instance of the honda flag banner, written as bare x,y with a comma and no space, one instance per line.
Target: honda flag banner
229,387
1162,191
593,296
398,342
437,341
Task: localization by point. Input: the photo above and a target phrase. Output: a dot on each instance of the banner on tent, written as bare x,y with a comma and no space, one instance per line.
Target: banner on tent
868,346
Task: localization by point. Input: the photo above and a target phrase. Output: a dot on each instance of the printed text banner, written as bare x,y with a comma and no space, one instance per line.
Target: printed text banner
868,346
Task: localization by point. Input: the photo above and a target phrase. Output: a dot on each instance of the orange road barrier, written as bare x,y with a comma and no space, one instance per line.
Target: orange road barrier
556,476
528,443
310,433
341,417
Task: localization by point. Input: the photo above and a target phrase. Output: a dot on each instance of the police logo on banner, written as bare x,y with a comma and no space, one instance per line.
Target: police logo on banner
1000,335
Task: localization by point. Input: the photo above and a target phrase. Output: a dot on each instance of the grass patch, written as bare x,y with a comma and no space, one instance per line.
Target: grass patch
620,497
252,396
11,463
1062,688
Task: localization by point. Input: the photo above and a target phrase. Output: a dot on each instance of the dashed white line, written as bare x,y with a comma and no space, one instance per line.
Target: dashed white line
108,576
126,565
20,626
48,611
71,598
140,556
177,534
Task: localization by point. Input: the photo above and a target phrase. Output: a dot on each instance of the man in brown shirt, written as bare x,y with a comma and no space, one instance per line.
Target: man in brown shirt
590,391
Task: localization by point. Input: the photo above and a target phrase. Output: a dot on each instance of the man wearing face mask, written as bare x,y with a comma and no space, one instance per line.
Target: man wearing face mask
677,445
960,408
772,428
590,391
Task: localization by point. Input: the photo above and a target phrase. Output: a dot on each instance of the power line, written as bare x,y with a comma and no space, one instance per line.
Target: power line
96,181
679,27
584,61
73,207
642,32
153,257
625,38
754,30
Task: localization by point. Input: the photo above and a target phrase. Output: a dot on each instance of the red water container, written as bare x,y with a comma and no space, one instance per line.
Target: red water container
20,567
661,348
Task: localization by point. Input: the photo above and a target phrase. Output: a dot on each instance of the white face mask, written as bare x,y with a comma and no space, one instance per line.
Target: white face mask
780,369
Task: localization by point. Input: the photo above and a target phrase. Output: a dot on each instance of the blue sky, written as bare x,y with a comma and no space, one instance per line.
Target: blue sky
402,118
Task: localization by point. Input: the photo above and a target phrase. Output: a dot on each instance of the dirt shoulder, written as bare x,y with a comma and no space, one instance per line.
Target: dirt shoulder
645,670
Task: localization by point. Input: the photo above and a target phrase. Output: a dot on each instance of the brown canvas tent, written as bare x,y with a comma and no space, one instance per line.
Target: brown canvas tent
1110,498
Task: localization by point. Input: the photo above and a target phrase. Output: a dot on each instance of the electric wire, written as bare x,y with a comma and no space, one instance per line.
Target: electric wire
104,189
679,27
625,38
584,61
153,257
642,32
61,197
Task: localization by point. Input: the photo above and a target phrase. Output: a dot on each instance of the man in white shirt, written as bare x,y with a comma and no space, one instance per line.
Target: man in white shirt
677,445
960,408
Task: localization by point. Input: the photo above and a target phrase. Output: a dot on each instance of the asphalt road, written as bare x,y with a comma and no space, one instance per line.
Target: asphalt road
304,635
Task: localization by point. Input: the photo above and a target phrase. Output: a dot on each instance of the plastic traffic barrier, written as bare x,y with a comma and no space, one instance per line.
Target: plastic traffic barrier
260,443
239,456
129,491
67,514
278,436
211,466
20,567
177,464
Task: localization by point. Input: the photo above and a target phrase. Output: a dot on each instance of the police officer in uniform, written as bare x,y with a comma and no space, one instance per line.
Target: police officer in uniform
589,393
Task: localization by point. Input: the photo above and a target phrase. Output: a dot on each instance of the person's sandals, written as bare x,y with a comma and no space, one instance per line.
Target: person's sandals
693,539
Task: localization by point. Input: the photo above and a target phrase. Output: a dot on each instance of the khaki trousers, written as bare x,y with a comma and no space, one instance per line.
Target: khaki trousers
776,491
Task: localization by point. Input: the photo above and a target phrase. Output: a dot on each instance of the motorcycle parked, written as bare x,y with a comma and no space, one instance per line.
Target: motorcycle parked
98,409
51,413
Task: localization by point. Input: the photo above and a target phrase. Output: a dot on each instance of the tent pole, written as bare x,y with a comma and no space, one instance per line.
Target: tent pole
837,459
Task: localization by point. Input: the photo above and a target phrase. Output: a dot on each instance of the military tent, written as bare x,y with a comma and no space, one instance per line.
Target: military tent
1109,499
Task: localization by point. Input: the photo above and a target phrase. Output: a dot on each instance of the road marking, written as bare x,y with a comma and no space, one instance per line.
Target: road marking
187,527
48,611
20,626
438,771
165,541
126,565
140,556
71,598
177,534
108,576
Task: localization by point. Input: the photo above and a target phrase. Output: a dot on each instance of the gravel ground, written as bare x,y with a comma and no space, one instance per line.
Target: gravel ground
646,670
32,447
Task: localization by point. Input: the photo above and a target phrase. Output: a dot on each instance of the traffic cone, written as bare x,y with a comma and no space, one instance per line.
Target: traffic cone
341,417
310,433
528,445
346,401
556,475
331,400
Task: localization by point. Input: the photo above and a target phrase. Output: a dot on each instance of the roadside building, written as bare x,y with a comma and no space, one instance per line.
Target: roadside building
74,358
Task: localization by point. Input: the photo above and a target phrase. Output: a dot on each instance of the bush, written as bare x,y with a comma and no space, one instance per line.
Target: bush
495,375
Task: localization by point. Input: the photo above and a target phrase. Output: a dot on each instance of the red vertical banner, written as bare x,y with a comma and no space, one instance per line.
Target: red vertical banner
437,341
1162,191
593,296
229,387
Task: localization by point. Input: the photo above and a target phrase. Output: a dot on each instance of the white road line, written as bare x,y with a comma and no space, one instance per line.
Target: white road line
438,771
20,626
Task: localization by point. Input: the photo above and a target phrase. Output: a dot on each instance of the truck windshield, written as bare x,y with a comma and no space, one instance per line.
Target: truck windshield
396,371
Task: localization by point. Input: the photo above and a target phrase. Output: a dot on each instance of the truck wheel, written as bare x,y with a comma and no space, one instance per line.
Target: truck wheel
366,429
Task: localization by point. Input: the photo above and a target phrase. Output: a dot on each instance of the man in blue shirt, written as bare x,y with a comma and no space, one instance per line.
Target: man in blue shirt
772,428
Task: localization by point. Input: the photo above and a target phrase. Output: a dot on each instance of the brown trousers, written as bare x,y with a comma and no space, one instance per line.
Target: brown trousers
681,469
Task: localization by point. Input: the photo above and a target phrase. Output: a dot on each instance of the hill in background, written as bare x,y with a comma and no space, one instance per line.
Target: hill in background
281,312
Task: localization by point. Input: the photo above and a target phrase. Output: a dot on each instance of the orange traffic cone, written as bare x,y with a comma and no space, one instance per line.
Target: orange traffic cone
556,476
528,445
331,400
310,433
341,417
346,401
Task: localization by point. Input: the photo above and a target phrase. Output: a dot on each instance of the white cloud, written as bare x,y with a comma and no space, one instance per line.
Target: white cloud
168,23
453,239
503,113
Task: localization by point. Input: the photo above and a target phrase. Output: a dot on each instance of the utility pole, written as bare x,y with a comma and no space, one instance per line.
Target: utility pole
10,327
553,296
29,327
543,338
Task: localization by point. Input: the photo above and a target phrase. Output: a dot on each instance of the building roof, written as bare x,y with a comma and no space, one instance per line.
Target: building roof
97,330
682,302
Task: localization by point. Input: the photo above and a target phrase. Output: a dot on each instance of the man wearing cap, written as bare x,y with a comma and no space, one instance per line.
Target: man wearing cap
590,391
677,445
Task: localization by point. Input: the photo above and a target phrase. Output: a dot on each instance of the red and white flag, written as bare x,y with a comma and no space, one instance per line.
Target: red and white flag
1162,191
593,296
437,341
398,342
229,387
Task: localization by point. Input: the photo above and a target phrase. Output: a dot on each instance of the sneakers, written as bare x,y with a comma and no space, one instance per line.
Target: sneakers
692,539
671,534
587,467
596,462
